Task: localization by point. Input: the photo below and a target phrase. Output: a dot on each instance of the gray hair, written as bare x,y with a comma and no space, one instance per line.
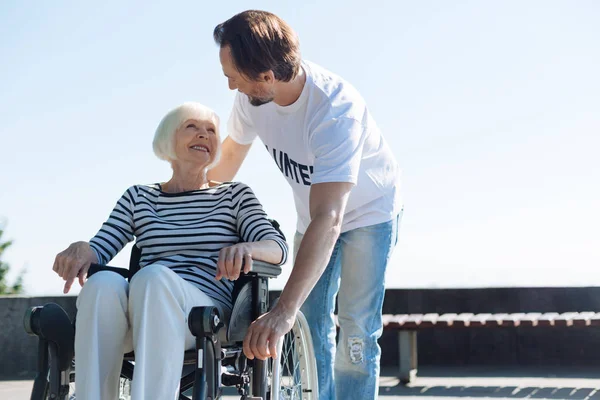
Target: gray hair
164,137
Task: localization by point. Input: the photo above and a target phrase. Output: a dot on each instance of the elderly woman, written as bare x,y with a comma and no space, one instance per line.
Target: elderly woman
191,235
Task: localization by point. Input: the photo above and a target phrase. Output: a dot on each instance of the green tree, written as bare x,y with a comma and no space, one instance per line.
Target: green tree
5,288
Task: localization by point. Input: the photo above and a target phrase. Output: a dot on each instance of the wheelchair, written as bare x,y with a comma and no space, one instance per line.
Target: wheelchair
217,361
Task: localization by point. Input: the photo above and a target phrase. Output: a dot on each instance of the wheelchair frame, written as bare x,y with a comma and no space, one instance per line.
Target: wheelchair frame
57,338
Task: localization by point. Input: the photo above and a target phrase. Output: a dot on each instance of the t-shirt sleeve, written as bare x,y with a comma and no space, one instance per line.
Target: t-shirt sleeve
239,126
337,146
118,230
252,222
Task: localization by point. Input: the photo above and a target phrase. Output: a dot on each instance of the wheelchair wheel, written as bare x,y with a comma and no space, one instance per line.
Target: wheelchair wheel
41,388
124,388
294,372
71,394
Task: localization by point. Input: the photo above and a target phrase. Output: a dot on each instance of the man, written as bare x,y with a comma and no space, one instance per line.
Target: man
346,188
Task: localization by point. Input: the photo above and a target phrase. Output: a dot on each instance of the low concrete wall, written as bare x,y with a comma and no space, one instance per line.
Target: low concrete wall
505,346
497,346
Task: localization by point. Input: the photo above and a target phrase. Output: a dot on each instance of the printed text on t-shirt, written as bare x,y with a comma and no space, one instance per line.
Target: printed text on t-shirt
290,168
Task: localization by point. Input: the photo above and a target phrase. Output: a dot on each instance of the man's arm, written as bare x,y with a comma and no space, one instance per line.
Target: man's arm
327,206
232,156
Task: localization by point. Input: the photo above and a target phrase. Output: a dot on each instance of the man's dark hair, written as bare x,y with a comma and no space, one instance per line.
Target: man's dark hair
260,41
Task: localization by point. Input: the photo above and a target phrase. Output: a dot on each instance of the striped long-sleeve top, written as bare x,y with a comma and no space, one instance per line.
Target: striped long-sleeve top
185,231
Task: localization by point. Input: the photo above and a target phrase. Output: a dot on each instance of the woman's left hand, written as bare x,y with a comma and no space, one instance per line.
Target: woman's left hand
231,260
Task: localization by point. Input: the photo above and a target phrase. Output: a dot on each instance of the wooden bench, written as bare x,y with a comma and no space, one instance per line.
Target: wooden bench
408,325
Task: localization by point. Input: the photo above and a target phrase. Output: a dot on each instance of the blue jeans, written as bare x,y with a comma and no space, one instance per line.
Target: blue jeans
357,271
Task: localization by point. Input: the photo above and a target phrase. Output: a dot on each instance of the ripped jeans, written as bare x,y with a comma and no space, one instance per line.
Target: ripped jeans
356,275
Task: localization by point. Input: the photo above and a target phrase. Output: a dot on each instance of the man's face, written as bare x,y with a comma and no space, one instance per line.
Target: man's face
259,92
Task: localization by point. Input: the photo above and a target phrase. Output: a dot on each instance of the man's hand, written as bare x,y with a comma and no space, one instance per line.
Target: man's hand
74,262
264,333
231,259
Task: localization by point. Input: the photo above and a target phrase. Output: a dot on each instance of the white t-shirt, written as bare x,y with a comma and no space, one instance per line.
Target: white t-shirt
327,135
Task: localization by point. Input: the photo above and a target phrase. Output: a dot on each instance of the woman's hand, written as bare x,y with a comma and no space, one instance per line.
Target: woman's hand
231,259
74,262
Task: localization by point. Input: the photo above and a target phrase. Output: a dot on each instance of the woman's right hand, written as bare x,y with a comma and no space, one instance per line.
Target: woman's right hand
74,262
232,258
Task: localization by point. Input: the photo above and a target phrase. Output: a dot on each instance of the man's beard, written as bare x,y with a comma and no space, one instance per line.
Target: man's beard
259,101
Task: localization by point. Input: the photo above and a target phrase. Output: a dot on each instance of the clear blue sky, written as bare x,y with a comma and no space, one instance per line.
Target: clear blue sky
492,108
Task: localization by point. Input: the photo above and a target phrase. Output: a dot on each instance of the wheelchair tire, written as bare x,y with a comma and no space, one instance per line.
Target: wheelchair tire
69,396
41,389
293,374
124,388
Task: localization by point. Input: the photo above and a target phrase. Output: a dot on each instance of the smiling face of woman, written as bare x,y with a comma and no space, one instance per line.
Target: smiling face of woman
196,142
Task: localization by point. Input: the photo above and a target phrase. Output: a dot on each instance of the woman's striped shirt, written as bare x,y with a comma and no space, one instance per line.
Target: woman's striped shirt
185,231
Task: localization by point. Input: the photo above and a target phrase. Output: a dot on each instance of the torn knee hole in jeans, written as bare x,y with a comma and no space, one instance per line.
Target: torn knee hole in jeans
356,347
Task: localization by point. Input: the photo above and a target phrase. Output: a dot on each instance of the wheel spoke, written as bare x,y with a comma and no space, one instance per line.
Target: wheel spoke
295,375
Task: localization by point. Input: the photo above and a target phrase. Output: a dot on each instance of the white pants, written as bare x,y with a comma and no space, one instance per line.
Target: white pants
148,316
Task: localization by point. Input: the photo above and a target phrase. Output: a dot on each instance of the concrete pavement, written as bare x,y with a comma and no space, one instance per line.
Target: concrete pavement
454,382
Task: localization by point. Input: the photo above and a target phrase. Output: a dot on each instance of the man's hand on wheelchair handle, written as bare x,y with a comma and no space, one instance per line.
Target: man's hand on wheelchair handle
264,333
74,262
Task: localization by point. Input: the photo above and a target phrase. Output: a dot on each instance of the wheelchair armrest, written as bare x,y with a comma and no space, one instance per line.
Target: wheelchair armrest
259,268
124,272
264,269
